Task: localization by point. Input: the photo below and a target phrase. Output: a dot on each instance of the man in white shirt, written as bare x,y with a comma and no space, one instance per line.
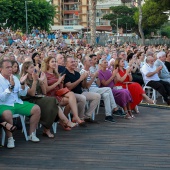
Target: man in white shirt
10,89
150,75
164,73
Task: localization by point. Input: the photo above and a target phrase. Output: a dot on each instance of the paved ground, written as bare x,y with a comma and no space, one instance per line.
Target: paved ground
139,144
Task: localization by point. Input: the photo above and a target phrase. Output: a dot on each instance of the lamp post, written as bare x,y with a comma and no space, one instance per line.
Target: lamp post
26,16
118,27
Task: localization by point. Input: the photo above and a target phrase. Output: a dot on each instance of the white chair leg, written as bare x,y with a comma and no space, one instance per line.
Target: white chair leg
24,127
93,116
54,126
3,137
69,117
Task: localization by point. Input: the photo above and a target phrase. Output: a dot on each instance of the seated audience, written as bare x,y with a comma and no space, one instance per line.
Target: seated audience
10,90
124,79
53,83
164,73
151,78
122,96
50,110
167,62
93,84
75,82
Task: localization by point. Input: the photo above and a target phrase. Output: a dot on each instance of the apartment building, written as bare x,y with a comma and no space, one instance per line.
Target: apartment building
72,15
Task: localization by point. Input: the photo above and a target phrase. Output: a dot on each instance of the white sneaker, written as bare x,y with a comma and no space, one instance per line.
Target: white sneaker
11,143
33,137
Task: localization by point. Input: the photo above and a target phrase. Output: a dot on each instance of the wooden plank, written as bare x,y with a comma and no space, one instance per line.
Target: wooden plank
138,144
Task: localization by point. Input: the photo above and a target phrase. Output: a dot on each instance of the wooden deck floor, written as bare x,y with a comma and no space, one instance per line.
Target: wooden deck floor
139,144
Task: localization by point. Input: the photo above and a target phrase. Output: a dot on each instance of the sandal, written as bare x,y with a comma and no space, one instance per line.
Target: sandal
130,113
150,101
72,124
10,129
65,127
127,116
82,123
48,134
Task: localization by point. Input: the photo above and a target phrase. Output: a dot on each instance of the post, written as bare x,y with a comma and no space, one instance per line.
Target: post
126,29
26,17
118,27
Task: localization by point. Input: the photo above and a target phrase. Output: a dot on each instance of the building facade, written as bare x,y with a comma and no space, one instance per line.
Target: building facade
74,15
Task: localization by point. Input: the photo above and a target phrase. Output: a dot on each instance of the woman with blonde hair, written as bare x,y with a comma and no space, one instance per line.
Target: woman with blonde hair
54,83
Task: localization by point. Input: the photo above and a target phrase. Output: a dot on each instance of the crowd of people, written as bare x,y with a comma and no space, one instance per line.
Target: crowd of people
46,81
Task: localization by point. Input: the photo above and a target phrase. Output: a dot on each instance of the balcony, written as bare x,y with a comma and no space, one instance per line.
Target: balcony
104,23
71,23
70,2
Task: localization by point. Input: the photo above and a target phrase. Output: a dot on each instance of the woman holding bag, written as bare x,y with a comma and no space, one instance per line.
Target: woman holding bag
50,111
54,86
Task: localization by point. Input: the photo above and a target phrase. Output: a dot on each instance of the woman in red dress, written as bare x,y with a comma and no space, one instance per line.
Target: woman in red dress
54,83
124,79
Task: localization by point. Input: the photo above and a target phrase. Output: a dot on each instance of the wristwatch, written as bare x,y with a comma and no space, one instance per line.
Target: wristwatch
11,87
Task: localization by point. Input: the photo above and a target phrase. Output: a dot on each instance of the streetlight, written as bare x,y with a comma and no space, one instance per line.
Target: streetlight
118,26
26,15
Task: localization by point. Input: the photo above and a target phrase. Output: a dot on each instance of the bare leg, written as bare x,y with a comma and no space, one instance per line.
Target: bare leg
71,100
64,119
35,117
148,100
48,133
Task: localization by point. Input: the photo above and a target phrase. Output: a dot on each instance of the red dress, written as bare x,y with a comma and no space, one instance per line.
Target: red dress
51,79
135,89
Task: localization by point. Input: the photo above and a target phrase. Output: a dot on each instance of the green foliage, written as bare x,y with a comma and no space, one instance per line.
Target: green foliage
153,16
126,15
165,30
40,14
164,4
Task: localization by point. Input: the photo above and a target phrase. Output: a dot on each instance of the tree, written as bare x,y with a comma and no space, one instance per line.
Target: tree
125,14
153,16
93,21
40,14
140,22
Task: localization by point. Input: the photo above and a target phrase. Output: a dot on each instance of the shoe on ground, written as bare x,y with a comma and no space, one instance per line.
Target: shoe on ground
109,119
89,120
11,144
119,113
33,138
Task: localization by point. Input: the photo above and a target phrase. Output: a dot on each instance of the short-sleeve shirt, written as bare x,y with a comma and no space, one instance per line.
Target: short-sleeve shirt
72,77
147,69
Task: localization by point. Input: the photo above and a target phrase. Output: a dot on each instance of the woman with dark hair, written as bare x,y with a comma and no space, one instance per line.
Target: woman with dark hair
134,63
15,68
36,60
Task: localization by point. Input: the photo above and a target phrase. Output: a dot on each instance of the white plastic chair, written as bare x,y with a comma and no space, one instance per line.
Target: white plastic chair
96,110
23,128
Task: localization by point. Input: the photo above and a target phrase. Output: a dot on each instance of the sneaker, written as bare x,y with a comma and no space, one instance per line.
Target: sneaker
119,113
11,144
33,138
109,119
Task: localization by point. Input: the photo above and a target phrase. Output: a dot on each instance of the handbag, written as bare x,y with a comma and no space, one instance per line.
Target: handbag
62,91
